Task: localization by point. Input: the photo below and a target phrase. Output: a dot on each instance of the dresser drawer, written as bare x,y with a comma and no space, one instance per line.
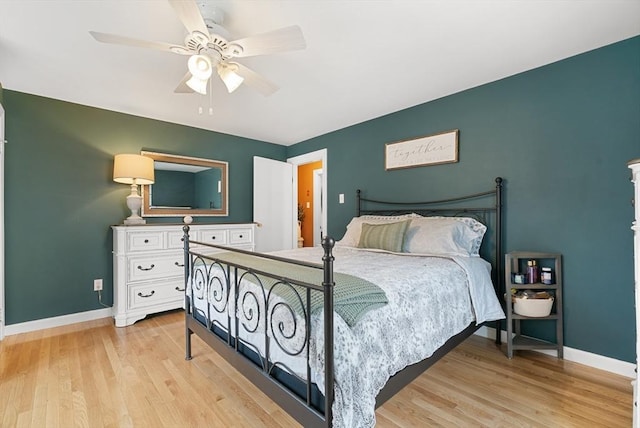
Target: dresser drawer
156,266
213,236
240,236
145,241
175,240
144,295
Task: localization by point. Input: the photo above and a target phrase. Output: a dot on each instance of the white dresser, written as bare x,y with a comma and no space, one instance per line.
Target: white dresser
148,264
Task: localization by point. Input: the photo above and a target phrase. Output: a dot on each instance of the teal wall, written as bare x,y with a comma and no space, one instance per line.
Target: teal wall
561,136
60,197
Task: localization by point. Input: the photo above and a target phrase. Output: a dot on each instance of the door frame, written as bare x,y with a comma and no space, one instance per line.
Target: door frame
2,151
296,161
318,206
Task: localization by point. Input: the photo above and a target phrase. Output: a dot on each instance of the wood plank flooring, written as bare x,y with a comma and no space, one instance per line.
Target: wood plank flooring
95,375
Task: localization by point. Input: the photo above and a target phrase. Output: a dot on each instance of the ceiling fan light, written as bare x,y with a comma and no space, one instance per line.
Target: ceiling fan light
197,84
200,66
231,80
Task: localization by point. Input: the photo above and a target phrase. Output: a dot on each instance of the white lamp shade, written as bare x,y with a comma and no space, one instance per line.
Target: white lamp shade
133,169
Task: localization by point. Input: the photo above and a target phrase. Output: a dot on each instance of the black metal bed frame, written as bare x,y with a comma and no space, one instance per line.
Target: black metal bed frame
221,280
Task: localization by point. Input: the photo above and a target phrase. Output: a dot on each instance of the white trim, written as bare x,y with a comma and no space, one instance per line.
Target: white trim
29,326
596,361
2,150
318,155
318,207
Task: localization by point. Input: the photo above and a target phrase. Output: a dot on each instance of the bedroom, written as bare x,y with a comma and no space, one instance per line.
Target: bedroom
560,134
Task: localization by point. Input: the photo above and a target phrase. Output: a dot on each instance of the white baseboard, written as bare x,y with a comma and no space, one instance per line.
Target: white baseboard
601,362
60,321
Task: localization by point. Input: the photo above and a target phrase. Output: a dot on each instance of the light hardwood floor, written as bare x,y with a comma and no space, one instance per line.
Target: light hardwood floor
93,374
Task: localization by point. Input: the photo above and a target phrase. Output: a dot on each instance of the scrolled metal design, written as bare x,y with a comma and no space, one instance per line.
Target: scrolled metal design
250,301
286,322
198,278
217,287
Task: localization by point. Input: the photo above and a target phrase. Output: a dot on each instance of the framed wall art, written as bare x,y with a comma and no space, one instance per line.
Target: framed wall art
428,150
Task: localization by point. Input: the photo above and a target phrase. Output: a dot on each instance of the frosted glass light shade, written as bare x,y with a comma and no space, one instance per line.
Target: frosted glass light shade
228,75
198,85
200,66
201,69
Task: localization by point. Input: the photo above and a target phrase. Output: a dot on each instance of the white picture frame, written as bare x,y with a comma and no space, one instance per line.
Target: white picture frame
433,149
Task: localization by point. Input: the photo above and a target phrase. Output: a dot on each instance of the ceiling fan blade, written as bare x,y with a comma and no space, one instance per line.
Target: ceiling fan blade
189,15
128,41
182,87
254,80
282,40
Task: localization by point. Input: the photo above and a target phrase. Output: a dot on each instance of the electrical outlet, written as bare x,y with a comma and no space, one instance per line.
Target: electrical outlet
97,285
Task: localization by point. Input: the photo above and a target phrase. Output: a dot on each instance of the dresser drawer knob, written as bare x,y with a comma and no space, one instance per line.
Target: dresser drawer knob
213,238
240,236
179,264
146,241
146,269
147,295
179,289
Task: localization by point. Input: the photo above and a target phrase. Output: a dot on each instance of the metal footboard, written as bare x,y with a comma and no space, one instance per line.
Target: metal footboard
223,311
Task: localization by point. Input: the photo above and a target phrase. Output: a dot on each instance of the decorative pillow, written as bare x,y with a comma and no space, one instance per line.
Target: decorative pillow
351,237
388,236
449,236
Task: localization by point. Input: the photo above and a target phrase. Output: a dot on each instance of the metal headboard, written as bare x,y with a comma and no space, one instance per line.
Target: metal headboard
452,207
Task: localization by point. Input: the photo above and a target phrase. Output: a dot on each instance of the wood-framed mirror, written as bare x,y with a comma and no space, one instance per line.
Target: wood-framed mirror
186,186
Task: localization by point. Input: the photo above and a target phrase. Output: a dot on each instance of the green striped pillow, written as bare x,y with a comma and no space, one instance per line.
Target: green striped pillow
388,236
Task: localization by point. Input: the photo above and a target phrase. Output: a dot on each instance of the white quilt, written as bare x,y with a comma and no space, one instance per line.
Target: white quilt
430,300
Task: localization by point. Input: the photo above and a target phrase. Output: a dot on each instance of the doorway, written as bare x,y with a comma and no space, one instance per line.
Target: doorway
310,194
309,206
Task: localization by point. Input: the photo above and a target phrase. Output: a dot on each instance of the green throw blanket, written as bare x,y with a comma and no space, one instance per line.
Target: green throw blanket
352,296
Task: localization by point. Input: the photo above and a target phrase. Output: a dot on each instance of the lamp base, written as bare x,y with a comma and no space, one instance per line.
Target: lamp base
132,221
134,202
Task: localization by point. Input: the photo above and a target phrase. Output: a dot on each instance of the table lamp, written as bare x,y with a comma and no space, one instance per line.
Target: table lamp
133,170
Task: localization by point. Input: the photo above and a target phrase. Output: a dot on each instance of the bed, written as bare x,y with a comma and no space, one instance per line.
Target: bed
306,332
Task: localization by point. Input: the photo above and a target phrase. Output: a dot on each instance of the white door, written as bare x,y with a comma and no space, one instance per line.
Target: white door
1,222
318,208
273,207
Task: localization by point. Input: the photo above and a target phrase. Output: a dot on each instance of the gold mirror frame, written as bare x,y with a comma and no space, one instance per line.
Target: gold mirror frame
149,210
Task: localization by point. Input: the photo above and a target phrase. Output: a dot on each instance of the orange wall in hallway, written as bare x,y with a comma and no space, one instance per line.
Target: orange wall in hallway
305,198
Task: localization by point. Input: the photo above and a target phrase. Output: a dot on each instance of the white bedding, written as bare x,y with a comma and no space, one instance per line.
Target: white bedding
430,300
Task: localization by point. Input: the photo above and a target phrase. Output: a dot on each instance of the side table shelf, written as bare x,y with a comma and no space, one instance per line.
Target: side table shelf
515,262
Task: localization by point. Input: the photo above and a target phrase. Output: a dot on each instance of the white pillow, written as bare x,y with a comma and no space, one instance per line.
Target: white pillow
447,236
351,237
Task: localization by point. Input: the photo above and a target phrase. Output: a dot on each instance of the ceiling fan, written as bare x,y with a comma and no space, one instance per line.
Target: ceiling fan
207,45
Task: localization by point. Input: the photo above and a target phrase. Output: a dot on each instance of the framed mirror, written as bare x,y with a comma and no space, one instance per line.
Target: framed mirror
186,186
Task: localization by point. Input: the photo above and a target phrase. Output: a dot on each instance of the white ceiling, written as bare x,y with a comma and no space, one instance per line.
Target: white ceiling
363,58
